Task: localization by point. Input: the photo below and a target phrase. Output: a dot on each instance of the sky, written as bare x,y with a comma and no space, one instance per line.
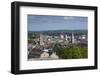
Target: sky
44,23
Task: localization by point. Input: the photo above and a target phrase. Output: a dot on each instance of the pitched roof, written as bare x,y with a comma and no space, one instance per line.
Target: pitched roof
35,53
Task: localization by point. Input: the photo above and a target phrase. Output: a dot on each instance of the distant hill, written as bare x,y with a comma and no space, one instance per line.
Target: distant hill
50,32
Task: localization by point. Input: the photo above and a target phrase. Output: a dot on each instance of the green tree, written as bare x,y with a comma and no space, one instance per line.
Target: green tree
71,52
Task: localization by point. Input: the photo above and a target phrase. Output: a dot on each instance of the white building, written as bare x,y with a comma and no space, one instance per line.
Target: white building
54,56
62,36
83,37
46,50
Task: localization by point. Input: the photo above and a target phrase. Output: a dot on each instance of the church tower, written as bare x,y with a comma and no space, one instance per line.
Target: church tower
72,38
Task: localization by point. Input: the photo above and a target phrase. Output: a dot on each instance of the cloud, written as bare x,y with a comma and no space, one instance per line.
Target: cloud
69,18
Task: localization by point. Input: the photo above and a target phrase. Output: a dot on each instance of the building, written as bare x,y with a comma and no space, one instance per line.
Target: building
37,53
41,39
66,37
46,50
62,36
72,38
44,55
83,37
54,56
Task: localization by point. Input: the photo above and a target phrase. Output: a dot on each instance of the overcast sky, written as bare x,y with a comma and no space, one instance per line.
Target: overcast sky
43,23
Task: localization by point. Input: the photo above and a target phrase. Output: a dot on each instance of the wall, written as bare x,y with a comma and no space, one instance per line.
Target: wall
5,41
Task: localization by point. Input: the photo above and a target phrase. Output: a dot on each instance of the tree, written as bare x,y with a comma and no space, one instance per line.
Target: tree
71,52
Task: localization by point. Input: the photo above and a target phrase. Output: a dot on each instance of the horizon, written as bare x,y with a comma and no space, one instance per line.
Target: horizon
61,30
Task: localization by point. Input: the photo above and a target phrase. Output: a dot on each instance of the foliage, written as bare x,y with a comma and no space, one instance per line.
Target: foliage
32,35
71,51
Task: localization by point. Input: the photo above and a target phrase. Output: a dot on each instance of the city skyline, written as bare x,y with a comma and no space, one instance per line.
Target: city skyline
45,23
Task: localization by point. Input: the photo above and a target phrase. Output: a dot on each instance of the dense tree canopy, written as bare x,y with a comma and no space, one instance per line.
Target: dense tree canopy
71,52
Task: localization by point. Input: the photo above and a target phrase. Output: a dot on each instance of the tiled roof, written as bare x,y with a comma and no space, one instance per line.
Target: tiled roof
35,53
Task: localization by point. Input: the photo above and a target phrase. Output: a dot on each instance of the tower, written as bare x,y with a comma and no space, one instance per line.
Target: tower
72,38
66,37
41,39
